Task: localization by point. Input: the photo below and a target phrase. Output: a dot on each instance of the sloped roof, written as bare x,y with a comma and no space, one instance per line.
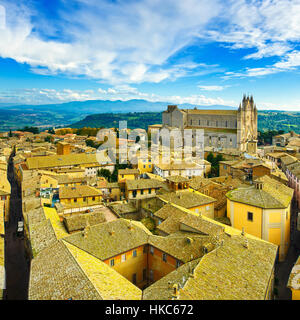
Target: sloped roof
109,283
128,171
55,275
181,247
234,272
143,184
163,288
199,182
186,198
288,159
201,225
61,160
294,278
108,239
273,194
122,208
41,236
80,221
78,192
64,178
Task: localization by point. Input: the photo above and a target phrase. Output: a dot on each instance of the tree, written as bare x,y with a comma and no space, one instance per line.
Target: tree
49,139
34,130
214,164
105,174
10,133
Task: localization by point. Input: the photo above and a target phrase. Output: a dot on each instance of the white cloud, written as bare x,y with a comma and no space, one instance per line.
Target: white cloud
267,26
121,92
122,42
211,88
289,62
133,41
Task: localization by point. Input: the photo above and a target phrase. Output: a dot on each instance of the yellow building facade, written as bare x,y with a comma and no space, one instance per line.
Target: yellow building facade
263,211
127,174
80,196
145,165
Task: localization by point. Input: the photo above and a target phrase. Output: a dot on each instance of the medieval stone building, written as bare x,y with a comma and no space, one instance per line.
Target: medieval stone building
222,128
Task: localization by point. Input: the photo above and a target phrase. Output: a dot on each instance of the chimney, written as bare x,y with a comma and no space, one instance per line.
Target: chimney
259,185
86,231
246,244
175,291
189,240
130,227
191,271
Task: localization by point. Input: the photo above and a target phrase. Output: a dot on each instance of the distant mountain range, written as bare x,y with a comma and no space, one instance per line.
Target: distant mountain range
91,114
104,106
14,116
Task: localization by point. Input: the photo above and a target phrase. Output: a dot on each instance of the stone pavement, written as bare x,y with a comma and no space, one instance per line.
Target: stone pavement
16,263
283,269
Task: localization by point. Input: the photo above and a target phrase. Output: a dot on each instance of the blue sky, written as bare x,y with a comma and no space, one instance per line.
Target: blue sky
203,52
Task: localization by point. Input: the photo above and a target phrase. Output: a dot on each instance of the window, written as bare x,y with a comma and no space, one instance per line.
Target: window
144,274
84,198
134,278
164,257
217,123
144,166
151,276
226,124
177,263
123,257
208,122
149,190
225,166
75,199
197,210
93,198
112,262
142,191
134,193
207,208
149,165
151,250
134,254
250,216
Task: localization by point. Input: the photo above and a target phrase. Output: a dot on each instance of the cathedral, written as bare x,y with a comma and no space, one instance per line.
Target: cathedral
222,128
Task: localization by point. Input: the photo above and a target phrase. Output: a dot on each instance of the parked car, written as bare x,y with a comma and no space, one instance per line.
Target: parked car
20,229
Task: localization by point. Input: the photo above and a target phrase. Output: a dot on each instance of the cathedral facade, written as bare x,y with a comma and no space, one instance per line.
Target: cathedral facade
222,128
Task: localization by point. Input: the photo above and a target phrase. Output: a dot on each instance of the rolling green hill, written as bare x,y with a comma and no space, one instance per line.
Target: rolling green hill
108,120
267,120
